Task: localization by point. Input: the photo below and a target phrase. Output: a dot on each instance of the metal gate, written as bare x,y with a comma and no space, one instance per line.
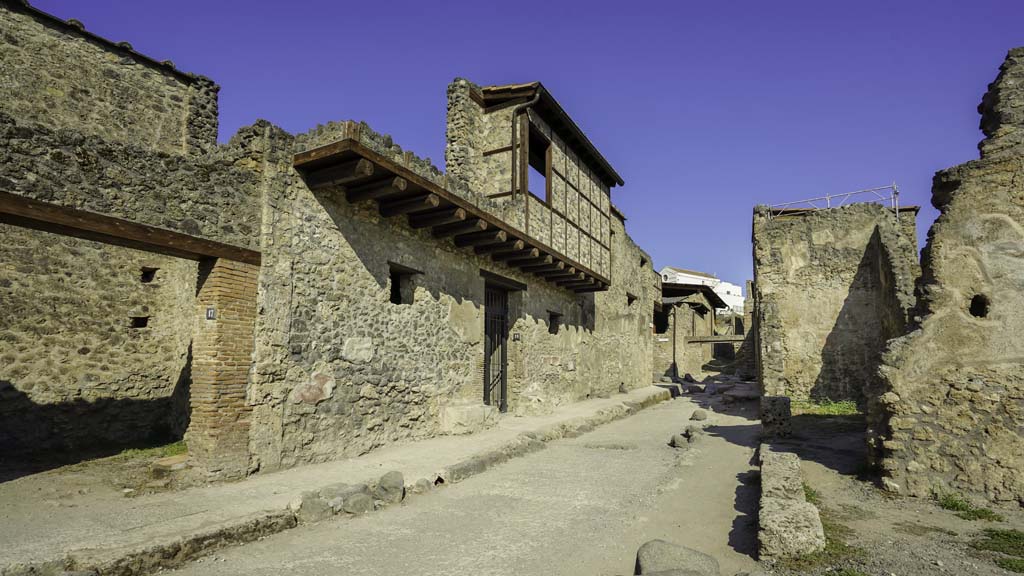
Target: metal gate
496,347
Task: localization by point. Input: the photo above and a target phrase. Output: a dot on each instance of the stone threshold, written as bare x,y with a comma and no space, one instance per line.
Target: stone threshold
242,512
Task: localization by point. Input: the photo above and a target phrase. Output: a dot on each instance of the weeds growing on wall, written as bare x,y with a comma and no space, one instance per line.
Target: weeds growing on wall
825,407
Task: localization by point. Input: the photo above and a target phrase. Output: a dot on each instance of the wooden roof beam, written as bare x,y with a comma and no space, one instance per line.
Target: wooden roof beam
410,206
468,225
549,267
377,189
448,215
339,174
511,254
514,245
480,238
542,259
579,277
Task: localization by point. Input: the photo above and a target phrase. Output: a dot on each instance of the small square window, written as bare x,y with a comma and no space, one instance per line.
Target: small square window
401,284
137,322
554,321
147,274
630,298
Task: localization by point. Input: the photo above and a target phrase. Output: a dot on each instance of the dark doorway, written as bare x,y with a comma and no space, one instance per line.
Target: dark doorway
496,347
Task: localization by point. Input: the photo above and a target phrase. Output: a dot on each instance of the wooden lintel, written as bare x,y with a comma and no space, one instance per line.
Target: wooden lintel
480,238
409,206
469,225
510,245
437,217
595,288
510,254
340,174
377,189
19,210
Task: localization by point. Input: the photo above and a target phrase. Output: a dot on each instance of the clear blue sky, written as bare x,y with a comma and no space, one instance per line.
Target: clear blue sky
705,108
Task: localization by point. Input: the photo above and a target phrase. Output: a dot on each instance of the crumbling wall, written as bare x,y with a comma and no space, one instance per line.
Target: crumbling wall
949,416
341,370
56,74
832,286
77,368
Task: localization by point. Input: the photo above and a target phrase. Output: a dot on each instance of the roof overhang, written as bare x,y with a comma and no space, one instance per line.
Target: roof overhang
552,112
362,174
670,290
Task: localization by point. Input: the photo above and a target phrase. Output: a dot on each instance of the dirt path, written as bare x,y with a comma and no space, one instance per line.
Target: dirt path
582,506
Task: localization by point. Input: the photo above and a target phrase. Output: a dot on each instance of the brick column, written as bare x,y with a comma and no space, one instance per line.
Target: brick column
218,433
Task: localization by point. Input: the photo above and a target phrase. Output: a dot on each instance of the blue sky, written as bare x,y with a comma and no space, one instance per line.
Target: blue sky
704,108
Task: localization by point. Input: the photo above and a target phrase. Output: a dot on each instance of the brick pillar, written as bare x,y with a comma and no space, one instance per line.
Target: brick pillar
218,433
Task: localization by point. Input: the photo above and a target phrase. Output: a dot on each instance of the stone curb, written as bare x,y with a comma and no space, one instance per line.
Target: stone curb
175,551
788,525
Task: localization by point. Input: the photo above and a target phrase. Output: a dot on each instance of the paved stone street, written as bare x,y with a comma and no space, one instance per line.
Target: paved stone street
582,506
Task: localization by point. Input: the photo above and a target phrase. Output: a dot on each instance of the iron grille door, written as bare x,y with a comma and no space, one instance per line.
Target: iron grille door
495,347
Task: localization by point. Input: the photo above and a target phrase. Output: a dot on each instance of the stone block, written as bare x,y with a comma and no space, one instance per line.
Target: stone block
660,556
699,414
780,476
468,418
788,528
311,507
776,415
390,488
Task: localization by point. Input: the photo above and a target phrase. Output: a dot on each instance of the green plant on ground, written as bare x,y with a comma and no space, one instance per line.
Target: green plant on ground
1007,543
981,514
954,502
966,510
173,449
849,572
826,407
811,495
1011,564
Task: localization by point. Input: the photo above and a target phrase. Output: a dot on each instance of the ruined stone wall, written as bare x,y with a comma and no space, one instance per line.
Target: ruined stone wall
832,286
341,370
80,376
76,369
951,411
215,196
54,74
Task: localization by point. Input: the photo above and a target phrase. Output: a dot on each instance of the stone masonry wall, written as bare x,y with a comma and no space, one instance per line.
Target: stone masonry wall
54,74
951,411
74,372
341,370
832,286
215,196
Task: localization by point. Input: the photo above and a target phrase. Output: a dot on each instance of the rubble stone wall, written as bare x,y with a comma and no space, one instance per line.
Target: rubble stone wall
52,73
214,196
74,371
341,370
950,415
832,286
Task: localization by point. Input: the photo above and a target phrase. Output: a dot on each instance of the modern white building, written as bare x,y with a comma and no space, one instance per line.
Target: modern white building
729,292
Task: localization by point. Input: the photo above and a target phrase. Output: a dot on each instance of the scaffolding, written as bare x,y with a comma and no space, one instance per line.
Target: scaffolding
889,194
